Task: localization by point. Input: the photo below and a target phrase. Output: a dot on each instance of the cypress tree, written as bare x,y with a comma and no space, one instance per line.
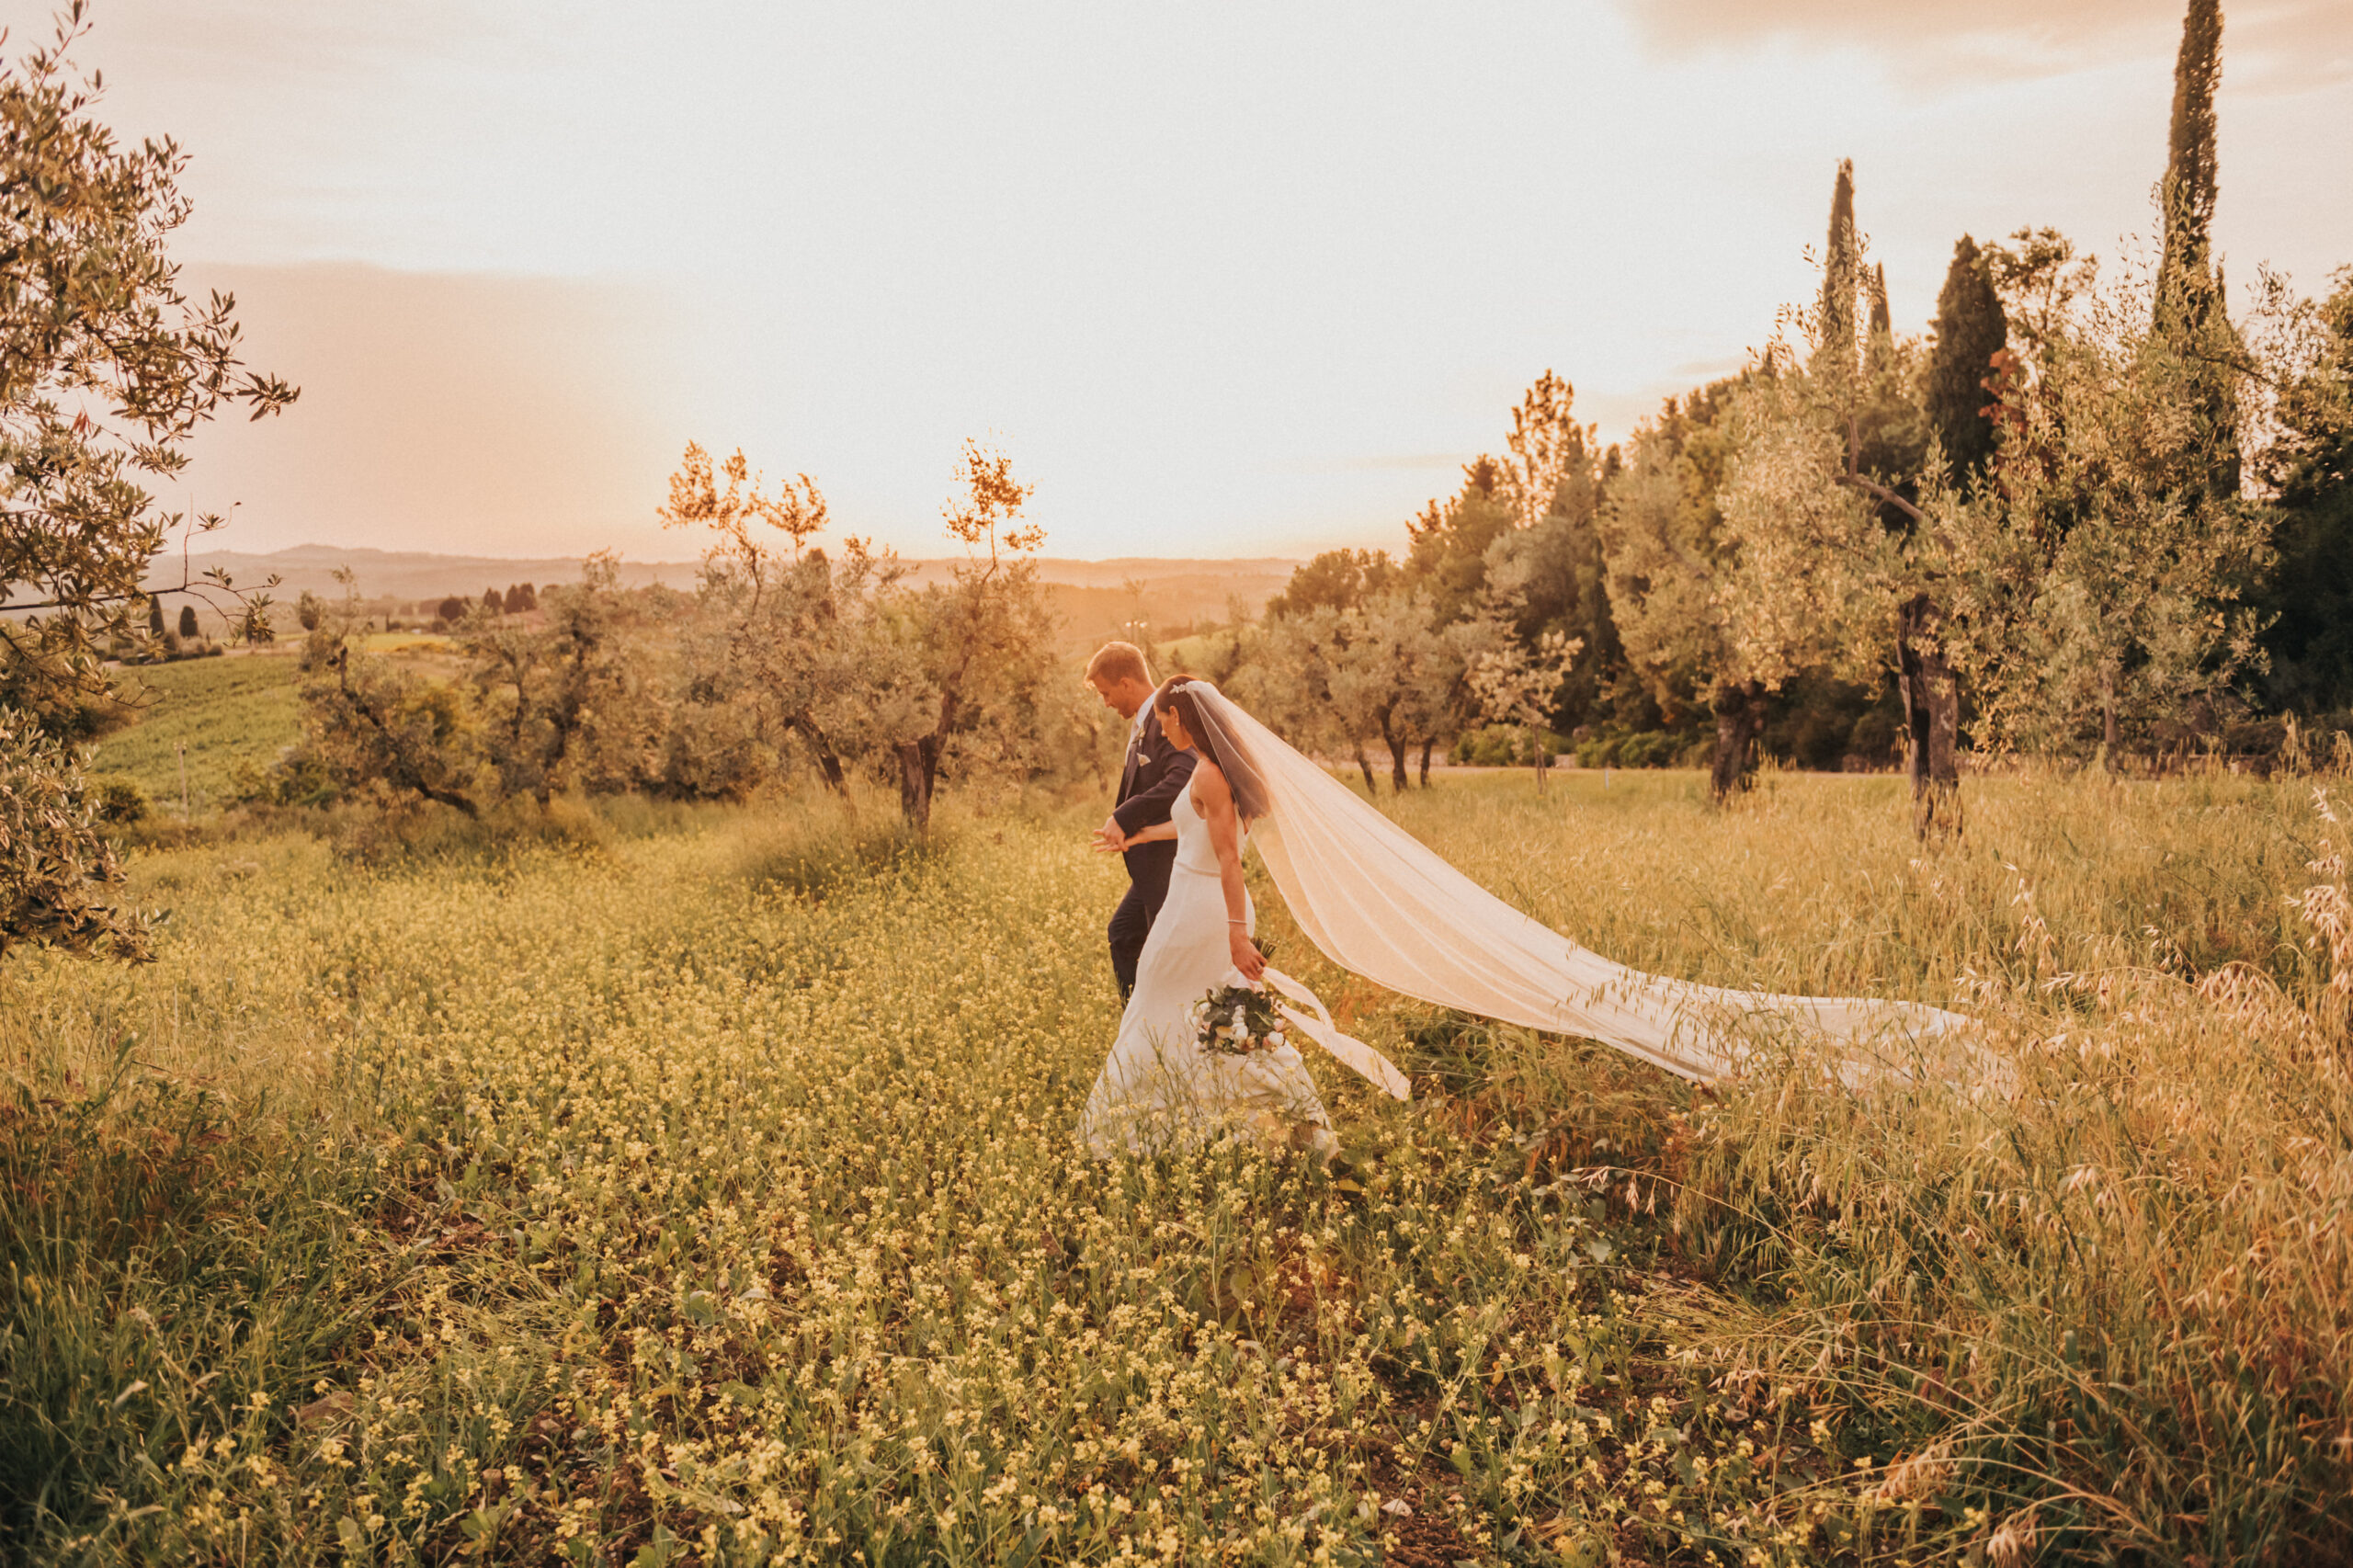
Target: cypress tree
1840,263
2189,302
1970,330
188,621
154,615
2185,278
1879,351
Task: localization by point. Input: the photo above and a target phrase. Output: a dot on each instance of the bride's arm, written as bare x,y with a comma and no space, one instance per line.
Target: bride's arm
1159,830
1216,802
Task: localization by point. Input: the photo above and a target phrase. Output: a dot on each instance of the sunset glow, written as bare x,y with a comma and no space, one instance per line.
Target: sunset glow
1224,280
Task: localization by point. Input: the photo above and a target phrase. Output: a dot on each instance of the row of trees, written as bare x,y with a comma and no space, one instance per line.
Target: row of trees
2087,513
2084,515
2046,525
519,599
782,656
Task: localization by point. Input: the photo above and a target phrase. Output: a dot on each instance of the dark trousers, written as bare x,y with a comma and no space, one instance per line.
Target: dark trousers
1131,922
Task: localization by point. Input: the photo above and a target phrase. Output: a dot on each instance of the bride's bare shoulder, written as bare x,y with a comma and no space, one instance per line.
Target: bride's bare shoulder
1209,781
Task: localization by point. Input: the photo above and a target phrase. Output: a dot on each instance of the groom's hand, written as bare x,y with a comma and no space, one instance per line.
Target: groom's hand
1109,839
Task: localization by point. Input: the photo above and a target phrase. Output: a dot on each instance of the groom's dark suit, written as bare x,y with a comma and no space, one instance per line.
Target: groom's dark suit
1149,779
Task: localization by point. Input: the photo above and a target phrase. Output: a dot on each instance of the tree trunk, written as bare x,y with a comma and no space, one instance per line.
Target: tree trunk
1944,733
1931,693
822,749
919,764
918,769
1364,766
1427,742
1396,762
1740,716
2111,734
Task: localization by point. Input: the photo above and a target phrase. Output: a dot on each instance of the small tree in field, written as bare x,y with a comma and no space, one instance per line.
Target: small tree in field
788,637
540,692
2109,574
974,656
1289,681
1670,559
371,725
1515,685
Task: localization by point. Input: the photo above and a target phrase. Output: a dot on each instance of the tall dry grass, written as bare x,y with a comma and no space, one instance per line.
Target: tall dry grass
696,1184
2094,1285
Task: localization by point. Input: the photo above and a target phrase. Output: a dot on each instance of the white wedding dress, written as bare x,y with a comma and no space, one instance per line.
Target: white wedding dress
1380,903
1160,1088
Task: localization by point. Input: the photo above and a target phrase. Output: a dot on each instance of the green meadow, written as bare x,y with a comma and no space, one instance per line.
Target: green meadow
649,1184
221,711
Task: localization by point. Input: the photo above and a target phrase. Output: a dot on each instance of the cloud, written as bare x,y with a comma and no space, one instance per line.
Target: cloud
2270,45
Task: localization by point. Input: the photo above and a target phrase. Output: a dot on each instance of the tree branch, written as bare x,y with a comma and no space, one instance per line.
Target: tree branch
1854,476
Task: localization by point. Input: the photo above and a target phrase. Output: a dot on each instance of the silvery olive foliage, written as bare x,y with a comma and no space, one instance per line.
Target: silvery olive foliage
575,697
106,370
56,868
850,662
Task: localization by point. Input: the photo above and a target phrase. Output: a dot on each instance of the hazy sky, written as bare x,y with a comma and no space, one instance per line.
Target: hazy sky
1224,279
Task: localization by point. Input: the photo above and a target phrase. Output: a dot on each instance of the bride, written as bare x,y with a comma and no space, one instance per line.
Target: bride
1160,1084
1378,902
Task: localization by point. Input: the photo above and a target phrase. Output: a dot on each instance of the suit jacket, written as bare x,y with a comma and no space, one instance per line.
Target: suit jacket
1149,778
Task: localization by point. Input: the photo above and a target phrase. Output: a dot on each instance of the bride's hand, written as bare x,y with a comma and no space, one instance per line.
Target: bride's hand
1247,956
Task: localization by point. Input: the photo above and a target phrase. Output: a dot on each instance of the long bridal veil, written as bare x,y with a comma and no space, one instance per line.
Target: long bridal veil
1378,902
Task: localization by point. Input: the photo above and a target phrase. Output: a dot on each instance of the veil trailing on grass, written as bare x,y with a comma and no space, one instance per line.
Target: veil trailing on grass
1378,902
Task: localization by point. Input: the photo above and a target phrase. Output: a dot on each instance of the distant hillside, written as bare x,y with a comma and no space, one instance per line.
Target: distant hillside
1098,599
404,574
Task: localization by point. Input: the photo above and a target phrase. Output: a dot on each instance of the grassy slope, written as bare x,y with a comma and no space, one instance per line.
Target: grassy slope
713,1172
225,711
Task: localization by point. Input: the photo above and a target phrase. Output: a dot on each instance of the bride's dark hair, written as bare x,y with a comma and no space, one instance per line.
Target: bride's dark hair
1216,740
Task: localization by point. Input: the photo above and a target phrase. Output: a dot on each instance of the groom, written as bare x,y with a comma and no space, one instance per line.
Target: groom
1149,778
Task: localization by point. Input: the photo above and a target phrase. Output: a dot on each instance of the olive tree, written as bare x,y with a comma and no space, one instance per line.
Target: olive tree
785,640
106,370
963,677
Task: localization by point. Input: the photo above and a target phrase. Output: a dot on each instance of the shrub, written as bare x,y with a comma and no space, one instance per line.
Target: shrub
1502,745
1876,739
1651,748
1642,748
120,801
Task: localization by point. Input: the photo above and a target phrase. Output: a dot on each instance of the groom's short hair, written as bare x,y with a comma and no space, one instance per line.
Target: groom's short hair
1117,661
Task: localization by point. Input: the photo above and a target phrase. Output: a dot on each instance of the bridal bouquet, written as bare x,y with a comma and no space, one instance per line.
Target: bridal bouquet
1235,1020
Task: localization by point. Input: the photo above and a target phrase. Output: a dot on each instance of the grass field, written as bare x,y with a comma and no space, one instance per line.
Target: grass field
224,710
671,1185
